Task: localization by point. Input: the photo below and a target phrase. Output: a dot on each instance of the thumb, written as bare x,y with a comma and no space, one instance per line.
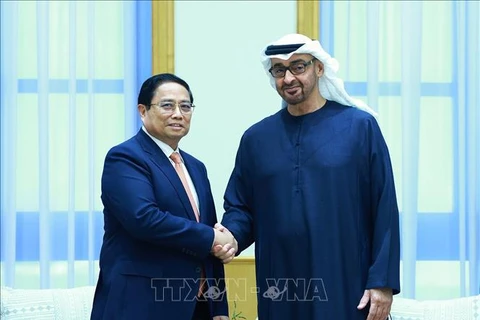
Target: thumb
217,248
219,227
364,300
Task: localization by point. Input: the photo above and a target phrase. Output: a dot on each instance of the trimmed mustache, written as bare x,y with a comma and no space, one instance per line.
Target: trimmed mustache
290,86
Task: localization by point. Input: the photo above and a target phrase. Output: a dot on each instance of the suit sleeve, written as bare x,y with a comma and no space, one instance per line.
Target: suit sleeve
217,280
384,269
127,194
238,217
220,304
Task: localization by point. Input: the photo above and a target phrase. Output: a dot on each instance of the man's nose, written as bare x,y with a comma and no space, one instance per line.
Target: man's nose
176,112
289,77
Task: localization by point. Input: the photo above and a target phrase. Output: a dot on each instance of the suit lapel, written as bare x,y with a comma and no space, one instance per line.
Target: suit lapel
164,164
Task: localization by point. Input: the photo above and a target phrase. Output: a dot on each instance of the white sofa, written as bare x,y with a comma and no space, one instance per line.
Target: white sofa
46,304
454,309
76,304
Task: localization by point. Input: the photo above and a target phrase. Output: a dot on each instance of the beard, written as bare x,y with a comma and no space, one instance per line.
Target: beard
294,101
298,91
295,98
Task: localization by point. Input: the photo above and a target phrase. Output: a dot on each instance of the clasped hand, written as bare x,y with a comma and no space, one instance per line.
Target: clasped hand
224,245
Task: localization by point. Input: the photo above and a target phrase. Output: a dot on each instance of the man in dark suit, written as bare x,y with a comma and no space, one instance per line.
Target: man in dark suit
159,214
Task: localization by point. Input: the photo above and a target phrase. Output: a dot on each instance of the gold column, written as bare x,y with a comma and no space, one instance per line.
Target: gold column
307,18
163,53
241,287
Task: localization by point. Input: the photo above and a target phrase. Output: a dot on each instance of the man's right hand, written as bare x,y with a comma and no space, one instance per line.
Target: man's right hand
224,245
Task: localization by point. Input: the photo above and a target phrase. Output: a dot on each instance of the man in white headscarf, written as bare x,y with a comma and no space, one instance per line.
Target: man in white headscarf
313,188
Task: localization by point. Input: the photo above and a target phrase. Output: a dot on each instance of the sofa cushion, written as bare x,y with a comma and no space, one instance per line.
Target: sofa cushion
467,308
51,304
406,309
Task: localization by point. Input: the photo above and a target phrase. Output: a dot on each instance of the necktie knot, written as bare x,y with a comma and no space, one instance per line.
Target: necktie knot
175,156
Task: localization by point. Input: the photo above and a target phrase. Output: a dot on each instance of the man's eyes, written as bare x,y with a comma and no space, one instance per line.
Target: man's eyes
167,105
297,67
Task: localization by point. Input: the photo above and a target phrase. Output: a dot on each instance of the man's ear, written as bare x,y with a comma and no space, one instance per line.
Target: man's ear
142,109
320,69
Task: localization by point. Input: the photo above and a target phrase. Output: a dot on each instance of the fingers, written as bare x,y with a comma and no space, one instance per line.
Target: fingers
380,303
221,252
365,298
372,313
377,313
225,245
219,227
230,256
217,248
223,237
225,253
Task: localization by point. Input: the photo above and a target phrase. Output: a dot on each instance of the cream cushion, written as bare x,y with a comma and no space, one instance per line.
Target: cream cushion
467,308
51,304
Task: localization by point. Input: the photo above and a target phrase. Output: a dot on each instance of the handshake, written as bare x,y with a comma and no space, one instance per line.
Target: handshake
224,245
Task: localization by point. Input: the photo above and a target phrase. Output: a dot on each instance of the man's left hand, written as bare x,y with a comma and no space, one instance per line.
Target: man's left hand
380,303
220,318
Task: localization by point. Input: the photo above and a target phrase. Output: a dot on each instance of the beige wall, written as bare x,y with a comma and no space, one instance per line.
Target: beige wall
217,51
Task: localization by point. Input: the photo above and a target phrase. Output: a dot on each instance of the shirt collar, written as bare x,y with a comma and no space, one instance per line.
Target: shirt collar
167,150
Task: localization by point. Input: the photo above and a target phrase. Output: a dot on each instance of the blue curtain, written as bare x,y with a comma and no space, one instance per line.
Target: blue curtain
418,64
70,74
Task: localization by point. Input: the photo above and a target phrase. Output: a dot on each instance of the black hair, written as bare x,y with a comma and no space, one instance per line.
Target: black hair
147,91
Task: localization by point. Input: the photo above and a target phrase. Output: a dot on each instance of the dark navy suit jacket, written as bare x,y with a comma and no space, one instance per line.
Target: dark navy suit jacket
153,249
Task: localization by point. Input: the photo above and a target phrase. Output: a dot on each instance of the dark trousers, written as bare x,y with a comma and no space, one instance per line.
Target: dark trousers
202,311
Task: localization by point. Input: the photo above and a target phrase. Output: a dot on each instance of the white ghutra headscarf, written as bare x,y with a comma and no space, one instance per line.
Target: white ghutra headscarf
330,85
